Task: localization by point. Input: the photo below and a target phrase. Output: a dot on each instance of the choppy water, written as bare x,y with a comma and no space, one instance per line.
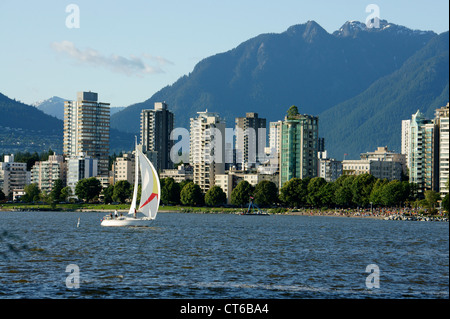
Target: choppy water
221,256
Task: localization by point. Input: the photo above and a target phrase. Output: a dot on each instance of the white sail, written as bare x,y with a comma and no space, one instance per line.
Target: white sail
136,180
151,189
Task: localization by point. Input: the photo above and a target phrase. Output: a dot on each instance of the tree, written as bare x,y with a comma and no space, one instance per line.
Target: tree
170,191
314,196
361,188
87,189
215,196
241,194
432,197
375,194
55,194
191,195
392,193
108,194
122,191
2,195
294,192
66,192
32,192
343,193
445,203
266,193
327,194
292,112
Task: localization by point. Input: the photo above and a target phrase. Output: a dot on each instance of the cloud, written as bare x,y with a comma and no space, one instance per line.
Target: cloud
129,66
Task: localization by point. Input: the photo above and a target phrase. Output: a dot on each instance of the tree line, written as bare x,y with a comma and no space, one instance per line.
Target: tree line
346,192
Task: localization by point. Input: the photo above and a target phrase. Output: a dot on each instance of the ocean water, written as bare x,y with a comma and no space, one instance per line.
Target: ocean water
223,256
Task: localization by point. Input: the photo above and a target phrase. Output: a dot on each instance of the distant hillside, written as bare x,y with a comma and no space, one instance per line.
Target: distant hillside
305,66
373,118
55,106
26,128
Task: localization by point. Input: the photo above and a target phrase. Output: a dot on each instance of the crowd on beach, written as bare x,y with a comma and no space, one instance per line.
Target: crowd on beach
380,213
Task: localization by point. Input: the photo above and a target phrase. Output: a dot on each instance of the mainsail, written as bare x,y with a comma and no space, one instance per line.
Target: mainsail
136,180
151,189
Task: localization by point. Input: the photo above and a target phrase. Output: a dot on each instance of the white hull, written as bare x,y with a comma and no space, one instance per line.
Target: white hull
127,221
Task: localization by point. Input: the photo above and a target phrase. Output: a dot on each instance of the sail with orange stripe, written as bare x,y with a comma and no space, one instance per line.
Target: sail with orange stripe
151,189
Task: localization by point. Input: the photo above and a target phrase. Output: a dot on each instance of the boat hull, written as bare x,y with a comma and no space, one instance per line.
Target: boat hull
123,222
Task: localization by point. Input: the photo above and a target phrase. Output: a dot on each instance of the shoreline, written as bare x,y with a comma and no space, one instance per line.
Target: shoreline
380,215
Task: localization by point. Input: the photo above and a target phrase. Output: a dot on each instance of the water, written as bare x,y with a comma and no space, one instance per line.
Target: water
221,256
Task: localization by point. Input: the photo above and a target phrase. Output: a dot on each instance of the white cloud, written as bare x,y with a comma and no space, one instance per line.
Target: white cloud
129,66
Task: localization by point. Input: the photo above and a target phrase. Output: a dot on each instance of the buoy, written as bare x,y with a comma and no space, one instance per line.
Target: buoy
78,224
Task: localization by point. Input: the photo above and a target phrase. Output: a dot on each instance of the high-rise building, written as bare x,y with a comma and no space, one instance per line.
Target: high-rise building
86,129
156,127
442,122
250,140
423,153
299,147
79,168
46,173
406,140
13,175
207,148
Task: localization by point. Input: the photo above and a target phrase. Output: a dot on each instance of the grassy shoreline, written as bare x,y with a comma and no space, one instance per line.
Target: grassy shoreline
123,208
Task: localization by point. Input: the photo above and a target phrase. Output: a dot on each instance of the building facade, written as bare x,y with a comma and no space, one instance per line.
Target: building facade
442,121
156,127
423,153
86,129
46,173
13,176
207,148
329,169
250,140
80,167
299,147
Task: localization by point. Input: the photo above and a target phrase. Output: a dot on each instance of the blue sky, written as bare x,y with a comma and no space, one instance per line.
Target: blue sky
128,50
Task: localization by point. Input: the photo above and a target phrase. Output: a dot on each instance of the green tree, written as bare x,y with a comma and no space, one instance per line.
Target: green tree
88,188
361,188
170,191
66,192
294,192
392,193
327,194
122,191
431,197
343,193
215,196
55,194
266,193
32,192
375,195
241,194
292,112
191,195
445,203
314,196
108,194
2,195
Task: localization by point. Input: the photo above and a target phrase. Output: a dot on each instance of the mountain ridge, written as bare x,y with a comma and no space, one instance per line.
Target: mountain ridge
304,65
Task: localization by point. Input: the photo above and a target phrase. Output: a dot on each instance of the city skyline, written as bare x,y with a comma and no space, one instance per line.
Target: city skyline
168,40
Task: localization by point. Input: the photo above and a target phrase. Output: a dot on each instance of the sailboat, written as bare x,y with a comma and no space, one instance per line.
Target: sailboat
145,213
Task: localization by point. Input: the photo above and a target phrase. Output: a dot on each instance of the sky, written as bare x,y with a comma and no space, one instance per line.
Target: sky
128,50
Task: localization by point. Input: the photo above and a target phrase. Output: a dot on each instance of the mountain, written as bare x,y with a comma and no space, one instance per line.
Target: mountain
305,66
373,117
25,128
55,106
